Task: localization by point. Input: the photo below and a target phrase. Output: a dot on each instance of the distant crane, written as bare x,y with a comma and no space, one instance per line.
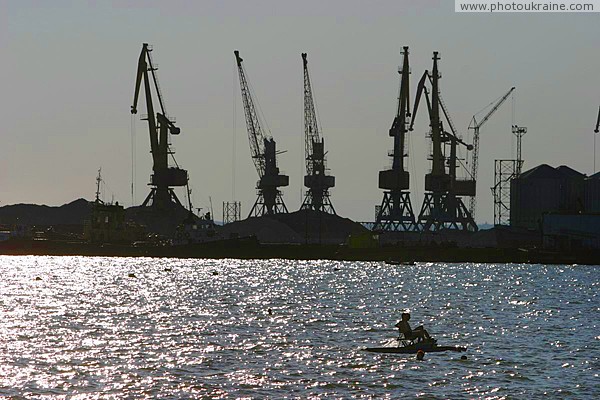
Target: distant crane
442,206
396,212
316,179
159,126
264,155
476,125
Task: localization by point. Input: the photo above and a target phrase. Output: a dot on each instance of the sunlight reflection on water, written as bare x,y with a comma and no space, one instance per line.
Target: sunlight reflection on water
202,328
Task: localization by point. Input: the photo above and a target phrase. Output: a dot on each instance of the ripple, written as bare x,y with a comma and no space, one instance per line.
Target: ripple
292,329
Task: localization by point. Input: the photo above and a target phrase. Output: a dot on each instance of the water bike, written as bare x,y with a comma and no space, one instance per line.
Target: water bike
402,345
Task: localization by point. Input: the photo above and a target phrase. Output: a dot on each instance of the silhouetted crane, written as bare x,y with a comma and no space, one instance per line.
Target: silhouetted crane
395,212
159,125
264,155
442,206
316,179
476,125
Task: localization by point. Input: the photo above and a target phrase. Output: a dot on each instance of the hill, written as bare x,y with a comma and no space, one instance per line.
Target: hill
33,214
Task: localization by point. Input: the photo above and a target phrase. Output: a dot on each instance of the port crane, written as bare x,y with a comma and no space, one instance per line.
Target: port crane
396,212
475,126
442,207
164,177
264,155
316,179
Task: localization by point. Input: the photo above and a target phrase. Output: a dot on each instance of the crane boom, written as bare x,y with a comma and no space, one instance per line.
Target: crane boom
475,161
492,110
420,89
311,128
446,113
255,132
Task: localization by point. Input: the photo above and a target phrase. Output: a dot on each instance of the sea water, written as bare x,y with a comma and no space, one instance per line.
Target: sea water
99,327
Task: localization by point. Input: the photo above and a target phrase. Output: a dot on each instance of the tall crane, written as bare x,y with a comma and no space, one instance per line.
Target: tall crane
476,125
163,178
264,155
395,212
316,179
442,206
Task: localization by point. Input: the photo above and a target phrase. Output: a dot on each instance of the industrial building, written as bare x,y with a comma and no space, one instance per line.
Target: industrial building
545,189
591,193
575,224
571,232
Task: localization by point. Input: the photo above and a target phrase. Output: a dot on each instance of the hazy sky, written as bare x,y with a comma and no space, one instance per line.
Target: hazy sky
67,73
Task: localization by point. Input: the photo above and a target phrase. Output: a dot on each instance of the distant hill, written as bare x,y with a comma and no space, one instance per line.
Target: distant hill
32,214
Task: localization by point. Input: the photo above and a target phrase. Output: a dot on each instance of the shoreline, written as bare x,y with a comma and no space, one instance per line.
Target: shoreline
251,249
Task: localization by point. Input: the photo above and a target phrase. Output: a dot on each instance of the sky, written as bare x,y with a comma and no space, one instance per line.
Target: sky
67,76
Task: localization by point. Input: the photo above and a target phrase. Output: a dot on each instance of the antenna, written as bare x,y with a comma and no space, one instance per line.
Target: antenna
98,181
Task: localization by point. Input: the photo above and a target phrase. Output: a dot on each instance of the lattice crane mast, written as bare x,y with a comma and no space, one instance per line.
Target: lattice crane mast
476,125
264,155
160,126
316,179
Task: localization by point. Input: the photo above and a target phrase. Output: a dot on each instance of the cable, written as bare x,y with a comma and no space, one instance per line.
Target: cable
133,160
234,79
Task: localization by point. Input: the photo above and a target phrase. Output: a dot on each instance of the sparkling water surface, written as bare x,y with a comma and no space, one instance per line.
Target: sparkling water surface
99,327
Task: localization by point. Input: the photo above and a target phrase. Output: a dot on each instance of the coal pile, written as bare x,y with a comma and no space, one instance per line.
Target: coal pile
300,227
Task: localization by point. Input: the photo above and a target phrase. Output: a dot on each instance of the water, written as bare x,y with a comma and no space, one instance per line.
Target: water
201,329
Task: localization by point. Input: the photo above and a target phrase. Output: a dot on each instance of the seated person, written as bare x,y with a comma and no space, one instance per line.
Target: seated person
411,334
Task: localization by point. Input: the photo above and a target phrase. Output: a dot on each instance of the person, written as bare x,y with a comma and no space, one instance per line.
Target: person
418,333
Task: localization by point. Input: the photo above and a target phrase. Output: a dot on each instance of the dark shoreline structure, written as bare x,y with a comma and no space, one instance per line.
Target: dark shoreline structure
249,248
564,228
303,235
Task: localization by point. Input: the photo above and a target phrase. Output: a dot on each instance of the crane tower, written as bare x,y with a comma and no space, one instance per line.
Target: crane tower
476,126
443,207
395,212
160,126
264,155
316,179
